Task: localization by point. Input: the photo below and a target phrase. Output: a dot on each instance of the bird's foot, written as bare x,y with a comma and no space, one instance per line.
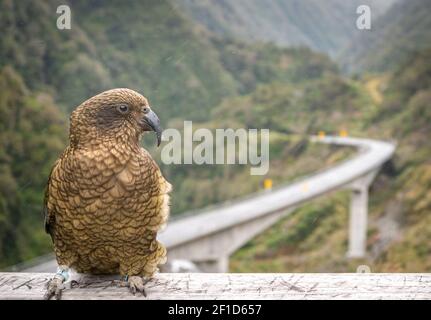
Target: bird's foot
134,283
55,286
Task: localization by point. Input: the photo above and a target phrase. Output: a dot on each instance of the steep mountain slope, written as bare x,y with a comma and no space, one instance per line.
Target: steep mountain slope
401,31
142,45
325,26
148,46
406,115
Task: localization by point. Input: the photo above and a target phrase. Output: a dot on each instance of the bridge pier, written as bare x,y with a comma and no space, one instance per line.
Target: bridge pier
359,215
214,266
358,223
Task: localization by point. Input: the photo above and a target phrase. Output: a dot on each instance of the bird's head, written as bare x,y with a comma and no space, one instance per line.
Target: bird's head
118,112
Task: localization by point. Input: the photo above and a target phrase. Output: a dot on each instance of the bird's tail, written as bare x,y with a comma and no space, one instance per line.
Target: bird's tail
156,258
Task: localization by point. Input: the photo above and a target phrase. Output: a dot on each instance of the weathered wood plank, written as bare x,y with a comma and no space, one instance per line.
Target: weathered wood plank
232,286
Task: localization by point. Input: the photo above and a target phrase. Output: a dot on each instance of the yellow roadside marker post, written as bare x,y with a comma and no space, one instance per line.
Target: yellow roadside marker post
343,133
267,184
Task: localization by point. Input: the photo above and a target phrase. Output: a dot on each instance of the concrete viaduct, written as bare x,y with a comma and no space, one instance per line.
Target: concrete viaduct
209,237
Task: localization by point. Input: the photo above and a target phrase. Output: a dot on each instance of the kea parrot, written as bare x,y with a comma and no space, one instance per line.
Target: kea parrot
106,198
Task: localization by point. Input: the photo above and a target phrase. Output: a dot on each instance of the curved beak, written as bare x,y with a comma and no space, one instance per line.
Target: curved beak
151,121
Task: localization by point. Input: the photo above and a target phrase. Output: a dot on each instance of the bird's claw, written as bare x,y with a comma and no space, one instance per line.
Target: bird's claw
134,283
54,287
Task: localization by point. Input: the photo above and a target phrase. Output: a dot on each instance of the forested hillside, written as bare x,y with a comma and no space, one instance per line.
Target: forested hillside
145,45
325,26
403,30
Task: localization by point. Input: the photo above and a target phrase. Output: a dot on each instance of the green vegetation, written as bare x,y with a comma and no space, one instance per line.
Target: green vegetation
314,238
189,73
305,107
325,26
147,46
32,134
402,31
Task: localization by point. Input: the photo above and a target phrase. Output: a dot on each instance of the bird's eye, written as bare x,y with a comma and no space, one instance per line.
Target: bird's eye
123,108
146,109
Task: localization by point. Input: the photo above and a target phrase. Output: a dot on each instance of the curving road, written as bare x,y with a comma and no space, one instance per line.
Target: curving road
372,154
188,234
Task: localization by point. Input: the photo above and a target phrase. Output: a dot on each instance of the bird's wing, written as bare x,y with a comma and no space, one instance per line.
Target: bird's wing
49,215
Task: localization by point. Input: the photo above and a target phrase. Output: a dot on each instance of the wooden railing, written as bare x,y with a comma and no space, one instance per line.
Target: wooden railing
232,286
